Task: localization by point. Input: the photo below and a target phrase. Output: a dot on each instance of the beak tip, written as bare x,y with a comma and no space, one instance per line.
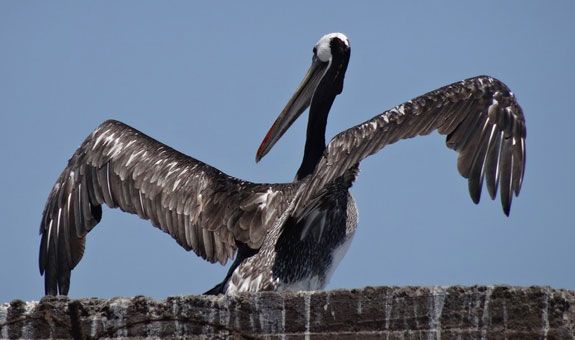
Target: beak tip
260,154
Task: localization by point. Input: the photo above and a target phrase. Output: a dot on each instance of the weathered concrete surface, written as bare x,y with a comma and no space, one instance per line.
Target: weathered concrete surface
480,312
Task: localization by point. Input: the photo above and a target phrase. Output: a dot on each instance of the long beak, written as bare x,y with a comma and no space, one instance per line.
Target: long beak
298,103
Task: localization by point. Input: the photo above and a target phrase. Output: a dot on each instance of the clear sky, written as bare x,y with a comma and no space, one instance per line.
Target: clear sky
210,79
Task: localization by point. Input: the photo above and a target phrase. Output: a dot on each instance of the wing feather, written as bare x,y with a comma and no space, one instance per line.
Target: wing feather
483,123
476,166
492,164
198,205
505,174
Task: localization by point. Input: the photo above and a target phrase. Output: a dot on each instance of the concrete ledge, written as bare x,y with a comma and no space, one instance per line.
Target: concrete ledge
479,312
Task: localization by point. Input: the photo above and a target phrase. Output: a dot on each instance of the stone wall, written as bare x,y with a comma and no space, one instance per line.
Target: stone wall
479,312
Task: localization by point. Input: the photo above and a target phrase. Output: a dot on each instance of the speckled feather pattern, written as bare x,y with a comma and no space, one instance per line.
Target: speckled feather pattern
203,209
483,123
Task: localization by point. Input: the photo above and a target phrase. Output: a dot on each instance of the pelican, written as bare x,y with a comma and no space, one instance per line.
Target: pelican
284,236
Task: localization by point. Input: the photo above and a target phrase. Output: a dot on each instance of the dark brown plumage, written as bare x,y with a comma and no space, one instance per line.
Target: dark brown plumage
287,235
199,206
480,117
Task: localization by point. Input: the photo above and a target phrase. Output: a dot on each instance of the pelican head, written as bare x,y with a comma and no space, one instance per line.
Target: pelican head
322,82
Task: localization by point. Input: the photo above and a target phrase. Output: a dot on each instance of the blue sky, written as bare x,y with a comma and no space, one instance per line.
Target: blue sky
209,80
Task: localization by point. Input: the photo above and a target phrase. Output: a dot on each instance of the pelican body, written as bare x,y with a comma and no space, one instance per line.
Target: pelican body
284,236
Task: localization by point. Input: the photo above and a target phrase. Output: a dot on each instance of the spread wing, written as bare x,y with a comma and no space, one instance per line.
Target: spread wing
203,209
483,123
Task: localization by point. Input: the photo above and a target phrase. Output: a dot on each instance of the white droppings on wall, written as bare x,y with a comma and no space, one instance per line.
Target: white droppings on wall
283,319
485,320
307,308
119,307
176,311
27,330
409,313
388,307
505,317
545,316
3,318
436,309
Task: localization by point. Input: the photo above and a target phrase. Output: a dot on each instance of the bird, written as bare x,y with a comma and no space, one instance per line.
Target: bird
282,236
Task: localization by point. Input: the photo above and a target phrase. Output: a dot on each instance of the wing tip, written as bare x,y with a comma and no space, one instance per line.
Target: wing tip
506,210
